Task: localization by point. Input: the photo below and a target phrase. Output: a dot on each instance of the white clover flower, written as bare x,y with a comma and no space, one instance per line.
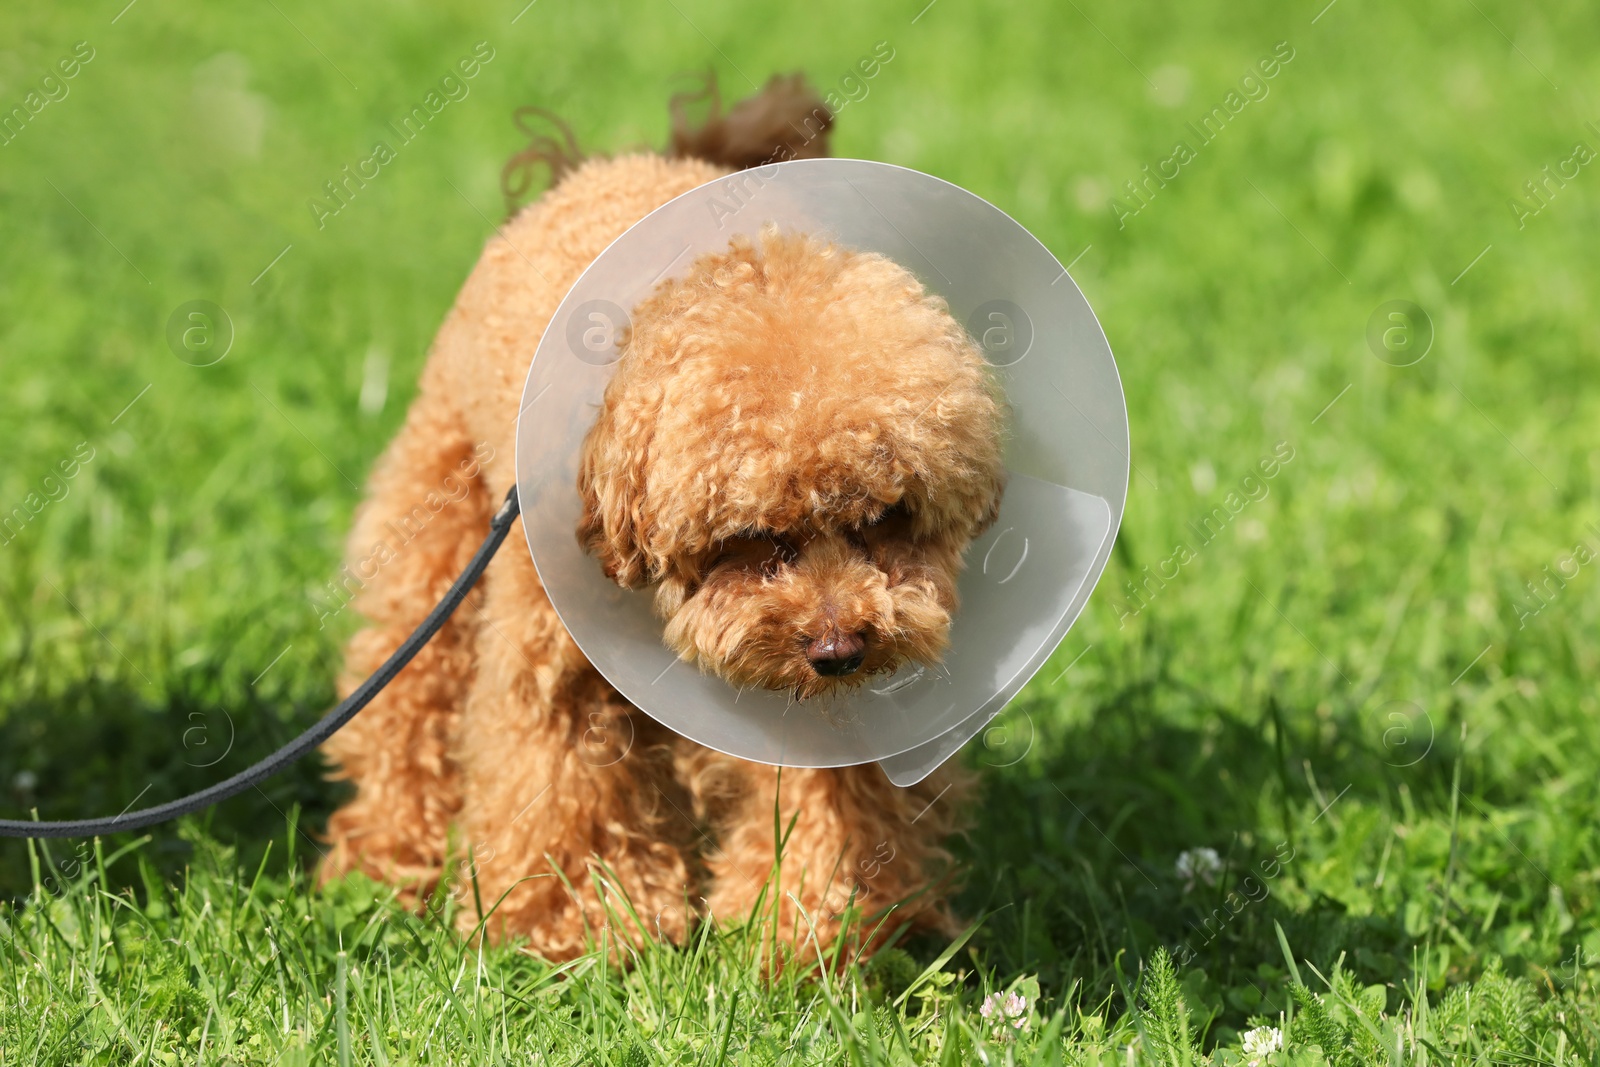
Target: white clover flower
1262,1042
1003,1010
1201,863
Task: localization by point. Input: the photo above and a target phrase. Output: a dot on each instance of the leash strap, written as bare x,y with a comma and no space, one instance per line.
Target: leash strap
323,729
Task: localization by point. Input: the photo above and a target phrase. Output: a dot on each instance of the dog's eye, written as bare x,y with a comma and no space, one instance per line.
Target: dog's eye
766,551
895,512
781,552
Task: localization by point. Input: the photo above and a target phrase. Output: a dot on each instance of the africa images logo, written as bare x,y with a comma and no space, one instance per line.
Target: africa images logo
343,187
1146,586
1252,87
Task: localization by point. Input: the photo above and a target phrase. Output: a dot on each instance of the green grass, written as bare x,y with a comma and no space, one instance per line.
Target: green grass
1348,693
253,968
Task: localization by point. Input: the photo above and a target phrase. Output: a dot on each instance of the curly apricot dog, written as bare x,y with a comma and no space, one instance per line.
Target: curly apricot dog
796,447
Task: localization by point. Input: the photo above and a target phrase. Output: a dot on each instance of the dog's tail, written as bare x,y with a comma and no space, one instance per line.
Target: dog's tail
785,120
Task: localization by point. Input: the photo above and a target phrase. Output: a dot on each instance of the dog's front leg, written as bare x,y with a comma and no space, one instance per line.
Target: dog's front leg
854,840
567,791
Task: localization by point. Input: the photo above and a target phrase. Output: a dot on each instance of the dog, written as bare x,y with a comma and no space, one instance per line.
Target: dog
796,447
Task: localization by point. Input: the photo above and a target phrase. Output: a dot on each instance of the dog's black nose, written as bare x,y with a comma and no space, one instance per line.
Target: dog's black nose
835,654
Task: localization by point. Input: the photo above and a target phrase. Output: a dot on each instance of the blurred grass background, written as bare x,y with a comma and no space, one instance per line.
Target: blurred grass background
1353,668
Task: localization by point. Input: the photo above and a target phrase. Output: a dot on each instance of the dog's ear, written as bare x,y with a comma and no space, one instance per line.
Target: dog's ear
613,504
992,512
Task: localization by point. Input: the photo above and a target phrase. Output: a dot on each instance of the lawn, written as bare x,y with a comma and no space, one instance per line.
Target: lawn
1362,683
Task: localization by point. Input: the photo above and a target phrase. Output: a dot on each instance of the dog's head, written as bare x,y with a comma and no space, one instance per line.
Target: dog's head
797,446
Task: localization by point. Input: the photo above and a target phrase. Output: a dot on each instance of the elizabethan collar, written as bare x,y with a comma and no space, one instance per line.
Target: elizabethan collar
1027,578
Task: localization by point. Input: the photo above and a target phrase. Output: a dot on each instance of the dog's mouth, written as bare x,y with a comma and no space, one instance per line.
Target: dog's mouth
835,663
820,680
809,639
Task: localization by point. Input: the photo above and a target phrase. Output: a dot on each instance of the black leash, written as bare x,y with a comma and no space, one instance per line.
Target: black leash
325,728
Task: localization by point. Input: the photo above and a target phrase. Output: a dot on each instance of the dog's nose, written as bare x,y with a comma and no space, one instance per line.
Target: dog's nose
835,654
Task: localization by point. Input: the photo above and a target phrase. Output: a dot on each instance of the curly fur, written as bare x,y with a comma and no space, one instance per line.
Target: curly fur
780,400
798,441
